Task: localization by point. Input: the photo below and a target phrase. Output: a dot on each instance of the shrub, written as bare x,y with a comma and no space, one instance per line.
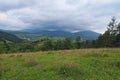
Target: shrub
68,70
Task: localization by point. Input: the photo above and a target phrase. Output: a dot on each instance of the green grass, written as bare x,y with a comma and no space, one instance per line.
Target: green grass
83,64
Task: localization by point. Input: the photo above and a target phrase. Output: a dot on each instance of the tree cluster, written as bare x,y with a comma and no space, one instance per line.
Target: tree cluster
42,45
111,37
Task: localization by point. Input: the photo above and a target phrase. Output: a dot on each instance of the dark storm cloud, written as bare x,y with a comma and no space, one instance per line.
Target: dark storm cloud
72,15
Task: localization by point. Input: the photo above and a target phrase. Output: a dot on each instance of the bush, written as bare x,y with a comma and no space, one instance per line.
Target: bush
68,70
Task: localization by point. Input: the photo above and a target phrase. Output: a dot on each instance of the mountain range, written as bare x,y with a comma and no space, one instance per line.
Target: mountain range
38,34
33,35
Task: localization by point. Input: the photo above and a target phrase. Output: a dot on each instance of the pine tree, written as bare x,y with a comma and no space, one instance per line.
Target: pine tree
109,37
118,36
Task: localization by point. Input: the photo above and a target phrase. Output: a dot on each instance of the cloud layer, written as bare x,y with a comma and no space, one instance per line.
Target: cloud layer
71,15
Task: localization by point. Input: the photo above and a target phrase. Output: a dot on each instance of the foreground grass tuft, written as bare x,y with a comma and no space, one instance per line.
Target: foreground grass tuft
116,64
31,63
68,70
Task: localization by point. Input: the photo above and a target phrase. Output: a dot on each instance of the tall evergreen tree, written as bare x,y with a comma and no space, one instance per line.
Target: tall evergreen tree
109,37
112,26
118,36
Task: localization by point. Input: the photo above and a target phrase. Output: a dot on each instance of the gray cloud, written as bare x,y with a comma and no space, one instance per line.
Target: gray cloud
72,15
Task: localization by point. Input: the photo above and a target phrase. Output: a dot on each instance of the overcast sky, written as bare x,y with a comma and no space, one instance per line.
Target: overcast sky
71,15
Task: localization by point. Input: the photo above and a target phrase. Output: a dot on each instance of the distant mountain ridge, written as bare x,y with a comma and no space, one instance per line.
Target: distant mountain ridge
86,35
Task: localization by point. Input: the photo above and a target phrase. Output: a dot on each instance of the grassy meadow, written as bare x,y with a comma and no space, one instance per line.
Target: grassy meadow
82,64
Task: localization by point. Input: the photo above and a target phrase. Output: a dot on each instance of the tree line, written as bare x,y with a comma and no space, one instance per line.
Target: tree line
41,45
110,38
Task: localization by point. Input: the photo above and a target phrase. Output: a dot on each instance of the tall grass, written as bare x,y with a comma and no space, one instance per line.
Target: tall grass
83,64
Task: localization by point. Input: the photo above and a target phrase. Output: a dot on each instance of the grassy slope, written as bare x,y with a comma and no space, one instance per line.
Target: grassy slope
29,36
84,64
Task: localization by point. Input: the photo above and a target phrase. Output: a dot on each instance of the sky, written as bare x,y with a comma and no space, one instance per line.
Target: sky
69,15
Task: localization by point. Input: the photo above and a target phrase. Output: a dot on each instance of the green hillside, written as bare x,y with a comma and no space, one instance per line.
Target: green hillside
4,36
29,36
84,64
